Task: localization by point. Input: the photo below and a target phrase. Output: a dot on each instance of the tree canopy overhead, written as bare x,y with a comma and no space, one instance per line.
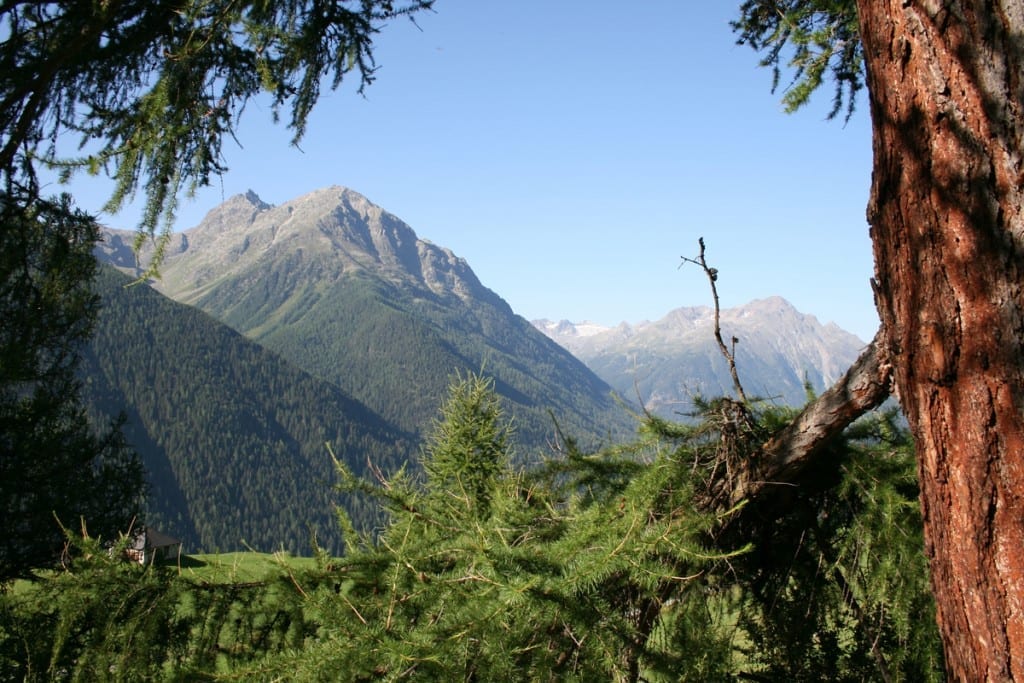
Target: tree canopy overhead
817,39
149,90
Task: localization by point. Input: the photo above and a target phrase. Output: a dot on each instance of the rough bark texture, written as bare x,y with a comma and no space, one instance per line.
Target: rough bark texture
946,220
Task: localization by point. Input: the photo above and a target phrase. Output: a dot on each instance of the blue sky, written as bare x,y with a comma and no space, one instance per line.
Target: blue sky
572,151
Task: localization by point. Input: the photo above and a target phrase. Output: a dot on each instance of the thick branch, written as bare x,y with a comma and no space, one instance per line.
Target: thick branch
864,387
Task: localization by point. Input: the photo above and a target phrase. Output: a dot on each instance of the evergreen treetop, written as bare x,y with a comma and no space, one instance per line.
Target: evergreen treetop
468,449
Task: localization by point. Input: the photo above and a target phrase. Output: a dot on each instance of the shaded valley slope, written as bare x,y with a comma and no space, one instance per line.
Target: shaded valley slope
232,435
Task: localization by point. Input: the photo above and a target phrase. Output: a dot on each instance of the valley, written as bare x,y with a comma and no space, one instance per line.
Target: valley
275,332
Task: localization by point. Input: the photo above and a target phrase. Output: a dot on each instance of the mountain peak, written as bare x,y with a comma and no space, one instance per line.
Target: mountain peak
319,237
366,237
239,208
336,196
565,328
772,305
255,200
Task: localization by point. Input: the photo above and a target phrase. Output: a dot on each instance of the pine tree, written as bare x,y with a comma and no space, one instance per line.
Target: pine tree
53,467
586,569
623,564
468,450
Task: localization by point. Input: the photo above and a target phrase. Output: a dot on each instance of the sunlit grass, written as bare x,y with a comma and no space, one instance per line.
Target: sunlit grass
240,567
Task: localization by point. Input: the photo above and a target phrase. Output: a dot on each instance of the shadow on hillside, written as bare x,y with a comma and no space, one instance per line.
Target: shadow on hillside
189,562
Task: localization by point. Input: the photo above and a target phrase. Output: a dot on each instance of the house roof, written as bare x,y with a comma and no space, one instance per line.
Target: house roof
151,538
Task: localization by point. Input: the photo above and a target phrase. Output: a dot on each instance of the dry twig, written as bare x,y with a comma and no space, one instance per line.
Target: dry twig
730,355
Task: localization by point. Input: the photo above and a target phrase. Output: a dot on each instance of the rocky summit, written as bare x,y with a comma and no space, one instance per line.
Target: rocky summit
334,224
347,292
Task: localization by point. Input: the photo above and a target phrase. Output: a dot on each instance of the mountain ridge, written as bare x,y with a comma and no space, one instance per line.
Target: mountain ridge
670,360
244,230
348,292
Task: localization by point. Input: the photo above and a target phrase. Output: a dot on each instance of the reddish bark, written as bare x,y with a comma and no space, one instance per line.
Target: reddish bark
947,105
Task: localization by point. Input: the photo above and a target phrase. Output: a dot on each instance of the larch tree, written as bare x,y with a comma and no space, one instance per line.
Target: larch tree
467,450
151,89
945,84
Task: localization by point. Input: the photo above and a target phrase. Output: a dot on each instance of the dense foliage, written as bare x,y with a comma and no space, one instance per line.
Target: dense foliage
234,438
622,565
618,565
104,619
53,467
836,584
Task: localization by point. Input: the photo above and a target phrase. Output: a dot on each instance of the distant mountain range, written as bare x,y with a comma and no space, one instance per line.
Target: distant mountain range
275,330
345,328
664,364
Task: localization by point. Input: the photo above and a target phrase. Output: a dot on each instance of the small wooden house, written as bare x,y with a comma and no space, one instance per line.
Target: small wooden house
149,545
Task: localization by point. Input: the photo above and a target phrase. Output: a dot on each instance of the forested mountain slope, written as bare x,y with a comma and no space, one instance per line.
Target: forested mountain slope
233,436
349,293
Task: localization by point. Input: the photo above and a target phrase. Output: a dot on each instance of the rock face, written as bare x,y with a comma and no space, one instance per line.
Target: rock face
349,293
666,363
334,223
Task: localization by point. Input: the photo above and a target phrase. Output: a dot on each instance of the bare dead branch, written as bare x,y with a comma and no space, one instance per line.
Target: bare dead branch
780,460
730,356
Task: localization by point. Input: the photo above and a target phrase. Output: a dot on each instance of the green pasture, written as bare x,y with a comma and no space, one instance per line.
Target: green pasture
240,567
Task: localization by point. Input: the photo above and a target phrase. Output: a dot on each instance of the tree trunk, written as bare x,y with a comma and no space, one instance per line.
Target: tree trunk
947,106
